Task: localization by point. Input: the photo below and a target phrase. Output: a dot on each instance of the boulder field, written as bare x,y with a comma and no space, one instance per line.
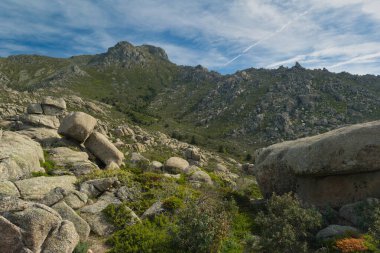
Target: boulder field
46,202
335,168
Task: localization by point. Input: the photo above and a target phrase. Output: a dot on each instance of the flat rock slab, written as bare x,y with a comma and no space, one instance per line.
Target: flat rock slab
56,102
75,161
36,188
40,120
45,136
19,156
335,230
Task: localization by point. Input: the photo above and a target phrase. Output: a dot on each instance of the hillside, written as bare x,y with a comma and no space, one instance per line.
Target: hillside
127,152
235,113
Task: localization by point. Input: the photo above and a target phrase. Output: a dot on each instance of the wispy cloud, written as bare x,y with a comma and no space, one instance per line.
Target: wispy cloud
339,34
270,35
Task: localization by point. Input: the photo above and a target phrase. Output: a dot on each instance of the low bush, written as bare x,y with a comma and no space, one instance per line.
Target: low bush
119,215
287,227
172,203
350,245
82,247
122,175
202,225
146,237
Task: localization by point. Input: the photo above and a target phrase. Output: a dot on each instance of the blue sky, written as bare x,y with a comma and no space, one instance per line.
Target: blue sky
222,35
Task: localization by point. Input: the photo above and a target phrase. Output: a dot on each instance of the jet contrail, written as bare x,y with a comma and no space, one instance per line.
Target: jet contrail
356,59
268,36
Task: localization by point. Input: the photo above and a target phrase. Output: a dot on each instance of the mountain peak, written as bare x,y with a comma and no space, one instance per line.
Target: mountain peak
126,54
297,65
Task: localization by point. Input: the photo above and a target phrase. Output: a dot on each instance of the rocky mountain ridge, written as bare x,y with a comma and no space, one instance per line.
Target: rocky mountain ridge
253,107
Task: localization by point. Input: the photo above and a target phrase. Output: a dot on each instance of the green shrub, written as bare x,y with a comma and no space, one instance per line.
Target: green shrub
172,203
39,174
145,237
119,215
371,243
122,175
150,180
373,238
141,205
240,235
82,247
201,227
48,165
287,227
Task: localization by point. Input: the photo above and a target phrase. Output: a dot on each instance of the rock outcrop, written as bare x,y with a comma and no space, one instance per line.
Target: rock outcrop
78,126
175,165
335,168
19,156
36,228
53,106
103,149
76,162
37,187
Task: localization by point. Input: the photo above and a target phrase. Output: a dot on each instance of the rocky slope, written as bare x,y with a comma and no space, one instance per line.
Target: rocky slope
242,111
59,171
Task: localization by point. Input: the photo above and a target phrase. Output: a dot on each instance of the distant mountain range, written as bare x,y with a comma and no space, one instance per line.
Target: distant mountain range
234,113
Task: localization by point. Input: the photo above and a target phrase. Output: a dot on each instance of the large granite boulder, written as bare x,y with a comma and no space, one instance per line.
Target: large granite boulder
200,177
103,149
175,165
67,213
38,228
11,237
19,156
334,168
77,125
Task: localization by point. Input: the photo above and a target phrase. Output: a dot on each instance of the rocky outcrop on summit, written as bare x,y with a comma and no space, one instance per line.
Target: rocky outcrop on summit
125,54
335,168
19,156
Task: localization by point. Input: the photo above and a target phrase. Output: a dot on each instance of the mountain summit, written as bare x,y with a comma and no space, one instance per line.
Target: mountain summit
124,54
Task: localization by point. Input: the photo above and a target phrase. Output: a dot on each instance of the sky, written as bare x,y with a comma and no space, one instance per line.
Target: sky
221,35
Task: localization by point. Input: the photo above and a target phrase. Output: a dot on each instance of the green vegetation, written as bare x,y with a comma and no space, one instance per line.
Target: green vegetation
172,203
48,165
148,236
119,215
122,175
286,226
82,247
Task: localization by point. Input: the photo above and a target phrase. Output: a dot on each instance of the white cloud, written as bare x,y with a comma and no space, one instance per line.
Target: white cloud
208,32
